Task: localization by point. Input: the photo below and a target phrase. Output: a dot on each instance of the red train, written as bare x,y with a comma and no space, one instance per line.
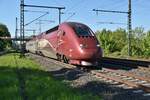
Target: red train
70,42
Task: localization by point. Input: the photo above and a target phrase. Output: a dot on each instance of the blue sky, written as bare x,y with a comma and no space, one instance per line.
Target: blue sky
9,10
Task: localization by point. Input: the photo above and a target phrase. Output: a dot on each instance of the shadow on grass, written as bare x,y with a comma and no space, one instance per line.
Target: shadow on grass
2,53
110,92
99,88
67,74
13,82
32,84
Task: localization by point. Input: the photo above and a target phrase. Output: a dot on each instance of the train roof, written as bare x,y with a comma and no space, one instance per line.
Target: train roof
56,27
71,23
52,29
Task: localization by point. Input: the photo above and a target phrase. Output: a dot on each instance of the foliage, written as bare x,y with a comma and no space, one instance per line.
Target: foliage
22,74
117,41
108,39
4,32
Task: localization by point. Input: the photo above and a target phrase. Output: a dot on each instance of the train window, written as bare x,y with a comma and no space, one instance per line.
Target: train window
64,33
61,32
81,30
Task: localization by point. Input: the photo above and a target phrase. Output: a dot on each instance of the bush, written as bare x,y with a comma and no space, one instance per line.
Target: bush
4,32
117,41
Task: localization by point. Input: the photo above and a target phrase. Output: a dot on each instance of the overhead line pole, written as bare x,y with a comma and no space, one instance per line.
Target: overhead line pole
59,15
129,28
16,31
22,27
22,35
40,29
129,22
59,9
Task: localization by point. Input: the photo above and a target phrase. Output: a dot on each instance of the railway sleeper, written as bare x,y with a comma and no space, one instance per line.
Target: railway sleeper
129,83
145,88
129,74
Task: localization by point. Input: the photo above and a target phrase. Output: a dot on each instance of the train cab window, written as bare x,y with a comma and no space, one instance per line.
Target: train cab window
82,30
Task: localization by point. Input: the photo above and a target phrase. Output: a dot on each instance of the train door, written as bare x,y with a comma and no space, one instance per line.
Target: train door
60,40
60,45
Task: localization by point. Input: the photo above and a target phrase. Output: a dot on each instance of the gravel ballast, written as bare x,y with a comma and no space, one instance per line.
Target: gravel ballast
85,81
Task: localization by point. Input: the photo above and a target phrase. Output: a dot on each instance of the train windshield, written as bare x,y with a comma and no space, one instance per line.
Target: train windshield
81,30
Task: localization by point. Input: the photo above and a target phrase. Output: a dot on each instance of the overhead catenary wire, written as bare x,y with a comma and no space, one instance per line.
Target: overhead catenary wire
129,12
110,11
70,17
51,21
36,11
74,6
36,19
110,5
22,25
119,5
117,23
113,6
40,23
37,6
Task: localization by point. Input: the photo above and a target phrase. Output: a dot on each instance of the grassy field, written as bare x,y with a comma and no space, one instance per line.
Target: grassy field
22,79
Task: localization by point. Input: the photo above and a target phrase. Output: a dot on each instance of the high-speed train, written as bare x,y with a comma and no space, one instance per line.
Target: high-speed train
70,42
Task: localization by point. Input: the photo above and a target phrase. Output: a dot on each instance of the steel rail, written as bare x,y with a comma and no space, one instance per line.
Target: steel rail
121,80
129,74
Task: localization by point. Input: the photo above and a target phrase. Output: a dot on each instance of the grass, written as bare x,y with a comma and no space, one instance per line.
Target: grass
22,78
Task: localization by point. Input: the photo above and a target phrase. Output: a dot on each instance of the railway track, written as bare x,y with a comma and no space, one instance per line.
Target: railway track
47,59
145,70
125,62
141,71
123,78
136,75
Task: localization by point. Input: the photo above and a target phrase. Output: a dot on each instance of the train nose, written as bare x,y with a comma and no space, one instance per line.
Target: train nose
83,46
89,53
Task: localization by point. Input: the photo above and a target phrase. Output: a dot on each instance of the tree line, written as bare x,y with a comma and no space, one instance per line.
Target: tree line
4,44
113,42
116,42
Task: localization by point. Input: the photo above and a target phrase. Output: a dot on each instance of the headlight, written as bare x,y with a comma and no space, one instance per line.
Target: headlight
83,46
98,45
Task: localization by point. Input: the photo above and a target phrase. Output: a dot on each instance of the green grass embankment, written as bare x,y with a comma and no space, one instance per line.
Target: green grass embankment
22,78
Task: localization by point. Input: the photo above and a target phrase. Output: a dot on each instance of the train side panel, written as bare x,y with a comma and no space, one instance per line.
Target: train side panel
66,41
45,48
31,46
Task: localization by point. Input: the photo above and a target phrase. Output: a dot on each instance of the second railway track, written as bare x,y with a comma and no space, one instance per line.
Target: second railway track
126,79
136,75
124,63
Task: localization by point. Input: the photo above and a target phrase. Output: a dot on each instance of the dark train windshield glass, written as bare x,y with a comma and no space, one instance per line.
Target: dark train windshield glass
81,30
